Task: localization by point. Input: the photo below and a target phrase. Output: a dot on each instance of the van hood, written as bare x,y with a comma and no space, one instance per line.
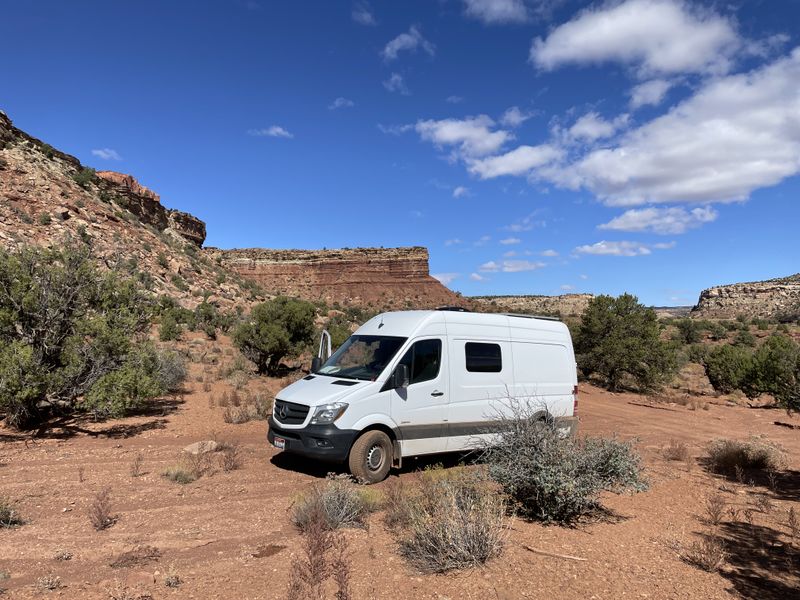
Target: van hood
315,390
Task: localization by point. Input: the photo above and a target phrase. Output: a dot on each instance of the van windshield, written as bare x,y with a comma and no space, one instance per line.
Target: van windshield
362,357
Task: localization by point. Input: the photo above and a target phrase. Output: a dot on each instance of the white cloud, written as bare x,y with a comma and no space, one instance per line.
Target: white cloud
519,161
106,154
454,99
567,287
526,223
510,254
394,129
649,93
410,41
584,277
362,14
549,253
592,126
483,240
273,131
737,133
489,267
473,136
664,221
621,248
452,242
514,117
477,277
653,36
510,241
518,266
460,191
341,103
446,278
496,11
396,83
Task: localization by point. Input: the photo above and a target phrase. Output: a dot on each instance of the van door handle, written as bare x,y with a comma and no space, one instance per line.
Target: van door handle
437,393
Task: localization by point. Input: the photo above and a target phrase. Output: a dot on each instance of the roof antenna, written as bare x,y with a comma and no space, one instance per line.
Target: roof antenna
381,323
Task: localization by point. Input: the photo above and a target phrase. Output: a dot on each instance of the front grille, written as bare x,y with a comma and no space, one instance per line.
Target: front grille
289,413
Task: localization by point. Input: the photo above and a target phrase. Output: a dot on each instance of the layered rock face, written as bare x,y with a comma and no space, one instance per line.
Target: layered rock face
146,205
566,305
396,277
769,299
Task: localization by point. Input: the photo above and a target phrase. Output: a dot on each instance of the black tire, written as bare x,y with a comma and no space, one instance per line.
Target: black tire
371,457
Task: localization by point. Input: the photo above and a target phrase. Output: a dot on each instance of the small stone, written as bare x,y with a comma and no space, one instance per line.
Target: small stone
204,447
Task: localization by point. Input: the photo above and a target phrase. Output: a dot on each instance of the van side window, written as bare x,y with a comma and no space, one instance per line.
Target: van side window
423,360
483,358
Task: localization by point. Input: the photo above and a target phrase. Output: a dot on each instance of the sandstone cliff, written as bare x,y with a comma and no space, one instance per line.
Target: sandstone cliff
565,305
46,196
382,277
774,298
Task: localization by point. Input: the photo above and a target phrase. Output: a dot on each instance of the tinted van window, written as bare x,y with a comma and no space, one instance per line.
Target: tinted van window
483,358
423,360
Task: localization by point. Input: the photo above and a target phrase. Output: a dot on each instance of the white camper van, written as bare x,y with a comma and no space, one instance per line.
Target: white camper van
421,382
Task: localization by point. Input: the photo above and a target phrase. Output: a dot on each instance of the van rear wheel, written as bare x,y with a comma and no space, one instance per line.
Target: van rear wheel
371,457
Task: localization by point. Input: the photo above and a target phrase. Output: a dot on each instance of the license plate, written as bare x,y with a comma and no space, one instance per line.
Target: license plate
279,442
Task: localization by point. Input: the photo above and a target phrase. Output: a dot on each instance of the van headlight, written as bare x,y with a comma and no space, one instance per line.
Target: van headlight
328,413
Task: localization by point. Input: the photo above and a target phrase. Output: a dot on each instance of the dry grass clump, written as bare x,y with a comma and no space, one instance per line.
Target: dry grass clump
100,510
715,509
171,578
708,553
230,457
62,555
256,408
48,583
9,517
734,456
676,450
136,466
179,474
340,502
139,555
324,559
454,519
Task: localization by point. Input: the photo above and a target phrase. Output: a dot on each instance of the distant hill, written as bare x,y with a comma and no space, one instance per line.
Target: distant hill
773,298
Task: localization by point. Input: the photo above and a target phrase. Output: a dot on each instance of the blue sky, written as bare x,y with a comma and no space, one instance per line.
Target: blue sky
534,146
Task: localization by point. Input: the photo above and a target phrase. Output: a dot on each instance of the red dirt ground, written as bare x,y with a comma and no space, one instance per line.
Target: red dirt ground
228,535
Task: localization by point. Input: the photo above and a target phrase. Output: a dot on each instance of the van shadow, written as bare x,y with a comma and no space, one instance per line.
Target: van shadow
321,469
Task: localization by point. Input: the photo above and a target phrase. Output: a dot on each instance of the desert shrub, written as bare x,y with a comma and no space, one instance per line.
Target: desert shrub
744,338
727,367
8,514
728,456
717,331
170,329
324,557
776,371
47,150
84,177
278,328
676,450
552,478
64,326
179,474
341,504
688,331
100,510
339,328
206,319
230,457
707,554
697,353
45,219
618,340
180,283
455,520
48,583
147,373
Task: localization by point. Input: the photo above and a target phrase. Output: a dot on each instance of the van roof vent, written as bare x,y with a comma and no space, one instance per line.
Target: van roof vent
452,308
524,316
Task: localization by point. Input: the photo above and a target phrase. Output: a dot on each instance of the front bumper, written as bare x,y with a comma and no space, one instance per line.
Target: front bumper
324,442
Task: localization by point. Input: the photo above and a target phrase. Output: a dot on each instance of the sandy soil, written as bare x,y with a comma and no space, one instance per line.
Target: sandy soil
228,535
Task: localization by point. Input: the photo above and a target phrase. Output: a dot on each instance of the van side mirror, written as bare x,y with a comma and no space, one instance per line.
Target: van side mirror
400,377
316,364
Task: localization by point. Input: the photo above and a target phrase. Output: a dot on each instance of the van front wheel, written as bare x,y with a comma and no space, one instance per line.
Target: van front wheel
371,457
